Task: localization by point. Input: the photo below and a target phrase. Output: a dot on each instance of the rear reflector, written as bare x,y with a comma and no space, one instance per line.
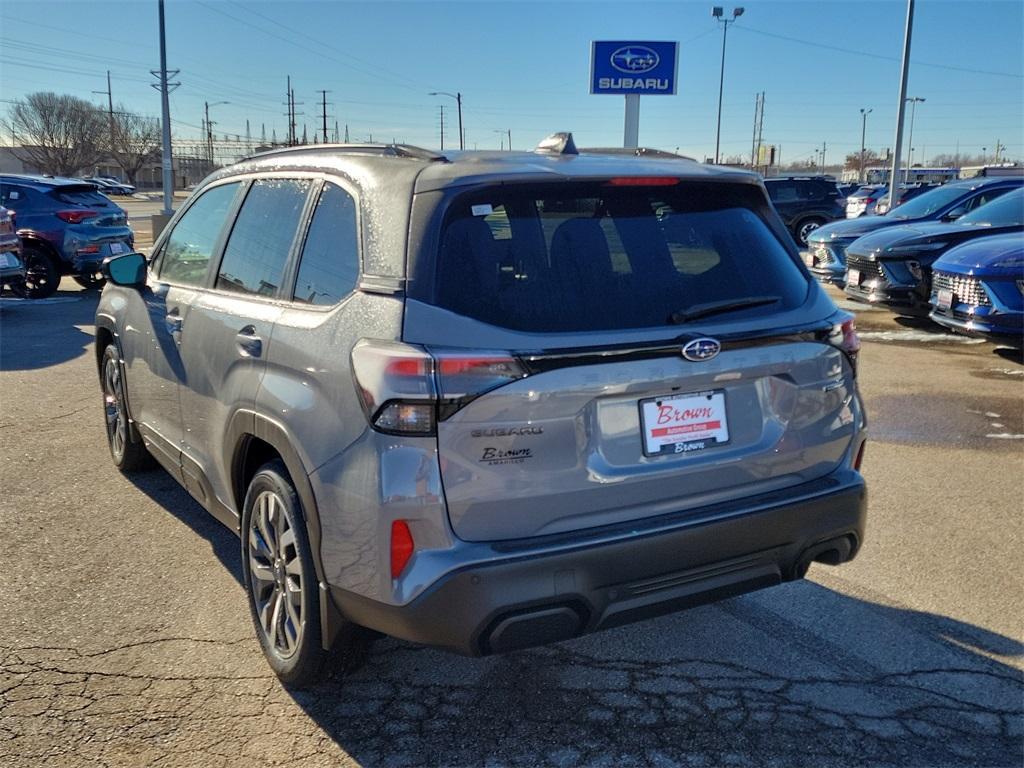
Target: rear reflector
642,181
402,547
844,336
860,456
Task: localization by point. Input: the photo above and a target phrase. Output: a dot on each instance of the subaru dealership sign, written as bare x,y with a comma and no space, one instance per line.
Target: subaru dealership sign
641,68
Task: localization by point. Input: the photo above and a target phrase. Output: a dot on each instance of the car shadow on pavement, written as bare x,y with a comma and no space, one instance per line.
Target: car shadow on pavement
45,332
798,675
165,491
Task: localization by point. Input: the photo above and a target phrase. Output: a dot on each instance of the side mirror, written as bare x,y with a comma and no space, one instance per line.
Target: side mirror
955,214
128,269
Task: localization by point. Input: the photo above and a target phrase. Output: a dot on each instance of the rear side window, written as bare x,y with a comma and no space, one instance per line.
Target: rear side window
186,256
592,257
329,266
259,244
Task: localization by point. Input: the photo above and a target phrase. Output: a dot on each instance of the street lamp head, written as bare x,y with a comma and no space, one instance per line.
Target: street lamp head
736,12
716,11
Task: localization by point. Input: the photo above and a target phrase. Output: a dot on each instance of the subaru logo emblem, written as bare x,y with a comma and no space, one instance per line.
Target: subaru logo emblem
635,59
701,349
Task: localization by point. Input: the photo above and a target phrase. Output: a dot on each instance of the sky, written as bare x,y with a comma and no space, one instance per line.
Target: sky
524,67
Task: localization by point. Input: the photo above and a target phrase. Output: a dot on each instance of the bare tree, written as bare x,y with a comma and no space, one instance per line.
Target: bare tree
852,162
136,141
57,133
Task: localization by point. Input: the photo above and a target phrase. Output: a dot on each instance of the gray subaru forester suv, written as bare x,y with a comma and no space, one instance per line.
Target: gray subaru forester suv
487,400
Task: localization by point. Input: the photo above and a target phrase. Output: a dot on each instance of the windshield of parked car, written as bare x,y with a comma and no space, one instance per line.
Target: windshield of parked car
610,255
928,203
1005,211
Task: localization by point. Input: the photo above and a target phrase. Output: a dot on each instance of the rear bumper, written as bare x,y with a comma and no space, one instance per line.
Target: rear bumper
533,593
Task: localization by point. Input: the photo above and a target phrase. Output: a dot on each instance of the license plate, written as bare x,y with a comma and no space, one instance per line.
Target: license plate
118,248
809,259
853,276
683,423
944,299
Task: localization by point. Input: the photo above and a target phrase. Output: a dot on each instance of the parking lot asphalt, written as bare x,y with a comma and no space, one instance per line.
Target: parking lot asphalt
125,638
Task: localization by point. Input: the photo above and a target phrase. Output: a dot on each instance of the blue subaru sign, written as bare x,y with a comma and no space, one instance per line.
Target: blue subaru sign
629,67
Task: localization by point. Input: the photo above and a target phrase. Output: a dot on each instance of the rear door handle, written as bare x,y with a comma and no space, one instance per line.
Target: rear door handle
249,344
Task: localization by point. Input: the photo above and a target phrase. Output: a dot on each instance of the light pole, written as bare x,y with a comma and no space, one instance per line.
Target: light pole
897,149
913,101
716,11
458,101
209,128
863,130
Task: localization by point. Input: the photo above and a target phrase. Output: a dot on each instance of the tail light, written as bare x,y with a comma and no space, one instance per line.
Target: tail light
402,547
860,456
844,336
642,181
405,390
76,216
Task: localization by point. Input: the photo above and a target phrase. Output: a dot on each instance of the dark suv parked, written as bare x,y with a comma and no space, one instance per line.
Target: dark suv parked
66,228
805,203
487,400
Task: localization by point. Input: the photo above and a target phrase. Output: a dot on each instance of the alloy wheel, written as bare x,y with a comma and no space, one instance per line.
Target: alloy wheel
113,407
275,573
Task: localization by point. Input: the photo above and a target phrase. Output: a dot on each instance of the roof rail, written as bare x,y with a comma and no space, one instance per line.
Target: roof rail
387,150
635,151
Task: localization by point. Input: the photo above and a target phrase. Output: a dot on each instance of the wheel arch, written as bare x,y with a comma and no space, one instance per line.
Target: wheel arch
255,440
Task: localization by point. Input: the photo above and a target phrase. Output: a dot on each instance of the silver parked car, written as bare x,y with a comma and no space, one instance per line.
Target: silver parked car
487,400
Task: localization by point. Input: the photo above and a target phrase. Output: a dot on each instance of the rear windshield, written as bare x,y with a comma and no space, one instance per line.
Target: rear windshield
80,196
593,257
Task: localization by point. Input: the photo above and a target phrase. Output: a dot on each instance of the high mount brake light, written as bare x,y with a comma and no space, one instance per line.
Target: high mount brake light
642,181
404,389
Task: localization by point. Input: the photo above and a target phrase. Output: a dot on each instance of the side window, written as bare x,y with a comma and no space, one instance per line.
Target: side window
783,193
329,266
985,197
187,251
258,247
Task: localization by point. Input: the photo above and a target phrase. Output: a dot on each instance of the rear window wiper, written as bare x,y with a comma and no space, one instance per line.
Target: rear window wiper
719,307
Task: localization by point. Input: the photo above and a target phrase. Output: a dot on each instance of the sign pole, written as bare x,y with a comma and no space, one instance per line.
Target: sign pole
631,135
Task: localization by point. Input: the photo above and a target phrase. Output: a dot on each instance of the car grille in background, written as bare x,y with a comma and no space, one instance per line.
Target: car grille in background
968,290
869,270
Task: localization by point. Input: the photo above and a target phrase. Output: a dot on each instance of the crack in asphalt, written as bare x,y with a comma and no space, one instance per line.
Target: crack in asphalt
186,701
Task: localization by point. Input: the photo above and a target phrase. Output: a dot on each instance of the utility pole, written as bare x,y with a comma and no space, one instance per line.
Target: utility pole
336,139
894,187
760,126
209,132
110,112
323,113
509,139
346,133
999,148
823,158
442,127
165,117
753,138
863,132
248,138
914,100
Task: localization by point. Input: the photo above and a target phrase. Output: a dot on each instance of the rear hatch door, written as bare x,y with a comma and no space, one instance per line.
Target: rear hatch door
657,330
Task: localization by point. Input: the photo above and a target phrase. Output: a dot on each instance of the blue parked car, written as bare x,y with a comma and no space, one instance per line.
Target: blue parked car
826,255
894,266
978,288
66,228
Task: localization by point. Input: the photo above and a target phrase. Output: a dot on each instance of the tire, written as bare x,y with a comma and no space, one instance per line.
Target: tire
804,228
89,282
280,579
42,277
126,447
